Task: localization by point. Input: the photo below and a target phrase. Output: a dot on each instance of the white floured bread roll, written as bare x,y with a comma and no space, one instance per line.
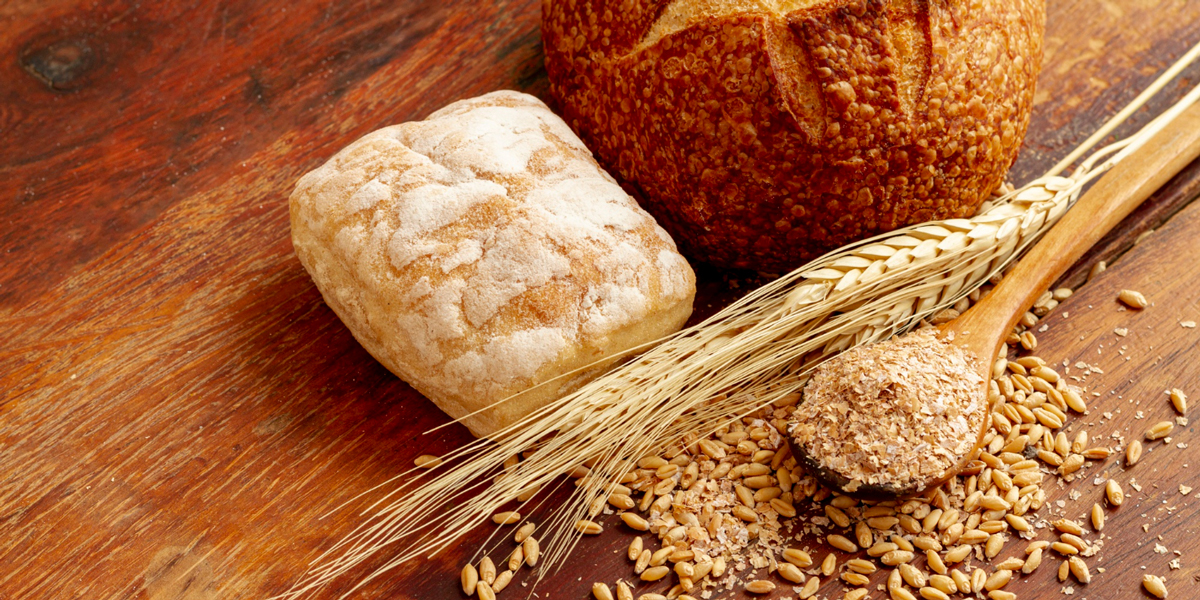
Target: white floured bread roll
482,251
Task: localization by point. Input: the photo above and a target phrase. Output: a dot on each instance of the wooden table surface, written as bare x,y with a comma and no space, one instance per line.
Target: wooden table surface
178,408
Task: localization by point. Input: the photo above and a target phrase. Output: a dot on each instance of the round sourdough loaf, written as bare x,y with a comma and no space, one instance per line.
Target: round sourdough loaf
485,258
762,133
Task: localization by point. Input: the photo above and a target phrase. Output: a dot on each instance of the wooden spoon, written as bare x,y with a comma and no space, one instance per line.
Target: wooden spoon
982,330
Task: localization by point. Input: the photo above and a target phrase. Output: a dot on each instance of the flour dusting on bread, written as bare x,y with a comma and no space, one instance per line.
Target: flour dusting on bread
482,251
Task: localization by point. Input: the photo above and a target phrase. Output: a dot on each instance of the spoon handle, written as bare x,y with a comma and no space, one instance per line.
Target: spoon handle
1109,201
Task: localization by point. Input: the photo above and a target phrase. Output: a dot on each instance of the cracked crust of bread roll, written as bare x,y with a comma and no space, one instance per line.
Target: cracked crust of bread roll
763,133
483,251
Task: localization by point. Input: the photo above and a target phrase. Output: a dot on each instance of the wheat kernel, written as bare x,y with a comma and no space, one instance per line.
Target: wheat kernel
1064,571
502,581
862,533
427,461
1001,595
791,573
911,575
828,564
1178,400
485,591
1074,400
517,558
635,548
487,571
643,561
1133,453
1154,585
600,591
993,525
1132,299
943,583
859,565
524,531
962,582
797,557
998,579
1079,569
1032,561
858,594
1064,548
1113,492
894,580
1011,563
506,518
759,482
652,597
1097,517
744,514
836,515
685,570
655,573
994,544
897,557
1017,522
978,579
1028,340
841,543
899,593
760,586
932,593
785,509
958,554
857,579
1061,444
621,501
1160,430
532,551
810,588
469,578
1080,442
623,591
935,562
1068,526
1074,540
1050,458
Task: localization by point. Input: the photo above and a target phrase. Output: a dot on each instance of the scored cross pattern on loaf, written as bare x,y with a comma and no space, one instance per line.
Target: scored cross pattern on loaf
894,63
762,133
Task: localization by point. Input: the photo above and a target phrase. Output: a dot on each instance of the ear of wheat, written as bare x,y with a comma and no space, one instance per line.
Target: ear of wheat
753,353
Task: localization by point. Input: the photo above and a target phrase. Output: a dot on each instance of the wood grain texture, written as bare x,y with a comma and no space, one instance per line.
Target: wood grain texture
1108,201
178,409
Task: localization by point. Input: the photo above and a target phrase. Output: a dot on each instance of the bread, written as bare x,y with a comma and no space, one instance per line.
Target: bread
763,133
482,251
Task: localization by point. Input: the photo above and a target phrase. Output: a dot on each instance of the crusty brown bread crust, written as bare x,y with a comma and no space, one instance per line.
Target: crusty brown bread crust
482,252
762,133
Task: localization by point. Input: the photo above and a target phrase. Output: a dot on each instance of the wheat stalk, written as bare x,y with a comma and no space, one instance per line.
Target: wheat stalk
751,354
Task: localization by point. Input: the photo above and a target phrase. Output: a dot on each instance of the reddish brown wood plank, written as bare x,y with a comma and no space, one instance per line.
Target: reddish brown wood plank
178,409
124,109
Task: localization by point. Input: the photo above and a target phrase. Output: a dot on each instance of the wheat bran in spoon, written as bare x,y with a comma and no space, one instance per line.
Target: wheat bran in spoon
893,414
